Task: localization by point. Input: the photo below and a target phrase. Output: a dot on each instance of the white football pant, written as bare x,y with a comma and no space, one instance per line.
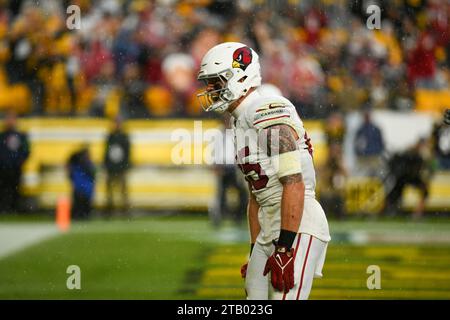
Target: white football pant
309,259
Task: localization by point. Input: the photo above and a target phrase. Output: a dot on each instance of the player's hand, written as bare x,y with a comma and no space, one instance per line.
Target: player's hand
281,267
447,117
244,270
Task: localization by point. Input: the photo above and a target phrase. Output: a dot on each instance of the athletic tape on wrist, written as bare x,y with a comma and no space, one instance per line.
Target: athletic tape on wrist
286,238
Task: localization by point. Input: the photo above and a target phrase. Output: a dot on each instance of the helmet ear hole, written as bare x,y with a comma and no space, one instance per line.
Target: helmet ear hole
242,79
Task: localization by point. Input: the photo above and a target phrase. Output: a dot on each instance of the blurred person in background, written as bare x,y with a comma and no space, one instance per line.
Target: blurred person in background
335,129
365,55
349,96
178,74
412,167
378,92
81,173
305,82
369,148
117,163
333,177
421,69
14,151
106,85
447,117
441,141
401,98
133,97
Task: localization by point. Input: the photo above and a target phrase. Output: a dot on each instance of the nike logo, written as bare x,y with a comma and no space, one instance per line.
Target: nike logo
279,259
272,106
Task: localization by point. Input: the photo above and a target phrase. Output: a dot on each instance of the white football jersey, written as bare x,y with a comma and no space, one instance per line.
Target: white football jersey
256,112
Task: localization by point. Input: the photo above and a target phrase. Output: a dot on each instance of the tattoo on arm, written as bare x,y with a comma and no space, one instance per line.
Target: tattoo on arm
293,178
286,142
280,138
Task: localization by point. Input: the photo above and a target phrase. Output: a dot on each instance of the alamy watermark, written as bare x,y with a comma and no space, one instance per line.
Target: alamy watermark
73,21
223,147
74,280
374,280
374,20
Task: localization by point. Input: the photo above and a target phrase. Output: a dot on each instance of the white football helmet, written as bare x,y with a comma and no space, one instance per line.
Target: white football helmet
233,68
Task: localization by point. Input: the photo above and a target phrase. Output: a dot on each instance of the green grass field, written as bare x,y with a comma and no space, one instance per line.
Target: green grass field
170,257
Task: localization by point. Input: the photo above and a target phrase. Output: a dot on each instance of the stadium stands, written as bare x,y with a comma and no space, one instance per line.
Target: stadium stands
138,59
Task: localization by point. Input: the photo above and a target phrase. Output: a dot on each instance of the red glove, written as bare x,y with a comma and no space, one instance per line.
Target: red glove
281,267
244,270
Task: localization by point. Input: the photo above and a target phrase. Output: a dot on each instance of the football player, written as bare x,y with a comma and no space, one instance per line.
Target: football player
447,117
288,228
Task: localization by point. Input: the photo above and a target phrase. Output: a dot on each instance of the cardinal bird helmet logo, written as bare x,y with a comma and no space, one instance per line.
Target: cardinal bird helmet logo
242,57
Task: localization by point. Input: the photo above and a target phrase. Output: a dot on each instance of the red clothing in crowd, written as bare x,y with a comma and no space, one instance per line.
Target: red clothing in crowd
422,60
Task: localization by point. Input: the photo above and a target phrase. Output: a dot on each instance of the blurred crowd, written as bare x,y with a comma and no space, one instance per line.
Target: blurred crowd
138,59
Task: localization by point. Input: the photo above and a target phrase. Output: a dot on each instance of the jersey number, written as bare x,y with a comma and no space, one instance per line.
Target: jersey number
253,172
308,143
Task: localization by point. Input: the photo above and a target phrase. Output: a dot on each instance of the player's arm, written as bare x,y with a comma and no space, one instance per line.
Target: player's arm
253,225
290,176
288,166
252,216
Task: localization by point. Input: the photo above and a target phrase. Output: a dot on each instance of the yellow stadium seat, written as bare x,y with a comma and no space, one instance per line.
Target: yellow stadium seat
432,100
16,97
159,101
112,104
193,108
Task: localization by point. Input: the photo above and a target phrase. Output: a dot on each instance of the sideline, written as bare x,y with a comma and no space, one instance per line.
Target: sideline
18,236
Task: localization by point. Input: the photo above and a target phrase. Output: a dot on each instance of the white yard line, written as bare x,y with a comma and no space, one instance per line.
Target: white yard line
15,237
